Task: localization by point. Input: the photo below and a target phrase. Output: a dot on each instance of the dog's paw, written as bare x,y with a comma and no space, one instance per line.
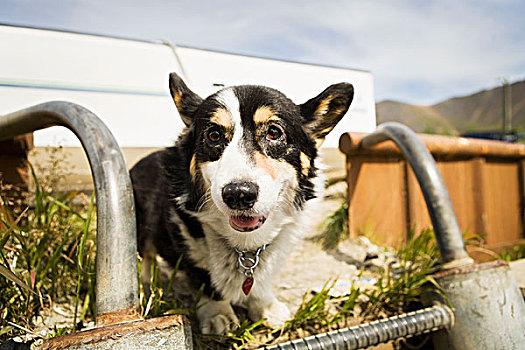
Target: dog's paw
216,317
275,314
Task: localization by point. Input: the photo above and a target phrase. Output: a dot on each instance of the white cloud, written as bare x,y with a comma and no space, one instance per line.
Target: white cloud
457,47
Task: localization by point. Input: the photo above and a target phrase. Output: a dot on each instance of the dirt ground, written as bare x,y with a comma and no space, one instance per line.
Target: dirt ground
308,268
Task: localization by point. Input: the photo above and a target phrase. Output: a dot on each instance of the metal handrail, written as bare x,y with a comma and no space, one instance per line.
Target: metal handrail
117,280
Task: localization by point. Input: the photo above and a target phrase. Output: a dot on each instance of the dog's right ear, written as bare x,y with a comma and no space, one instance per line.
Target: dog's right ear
186,100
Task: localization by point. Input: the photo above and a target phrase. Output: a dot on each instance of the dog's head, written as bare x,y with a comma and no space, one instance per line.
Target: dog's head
251,150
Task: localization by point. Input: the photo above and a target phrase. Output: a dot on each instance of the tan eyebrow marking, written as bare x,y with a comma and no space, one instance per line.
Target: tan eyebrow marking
222,117
264,114
305,164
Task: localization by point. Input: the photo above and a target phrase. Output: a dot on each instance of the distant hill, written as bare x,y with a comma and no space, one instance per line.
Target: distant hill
482,111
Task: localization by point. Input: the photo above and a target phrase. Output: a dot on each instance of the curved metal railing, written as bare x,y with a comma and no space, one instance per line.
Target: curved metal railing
117,280
442,214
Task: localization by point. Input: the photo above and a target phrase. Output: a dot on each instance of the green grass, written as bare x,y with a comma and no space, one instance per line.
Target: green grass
157,298
49,249
516,252
334,228
401,288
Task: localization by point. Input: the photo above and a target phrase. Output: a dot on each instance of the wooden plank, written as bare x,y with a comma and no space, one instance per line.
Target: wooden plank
460,177
386,201
479,196
522,179
417,209
438,145
377,197
353,168
502,202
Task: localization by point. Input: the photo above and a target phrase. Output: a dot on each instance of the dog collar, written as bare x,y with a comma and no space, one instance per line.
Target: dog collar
247,261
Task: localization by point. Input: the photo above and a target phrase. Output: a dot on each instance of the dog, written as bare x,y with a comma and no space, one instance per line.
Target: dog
234,195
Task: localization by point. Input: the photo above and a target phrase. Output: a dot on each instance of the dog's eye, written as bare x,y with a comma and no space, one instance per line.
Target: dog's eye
213,136
274,133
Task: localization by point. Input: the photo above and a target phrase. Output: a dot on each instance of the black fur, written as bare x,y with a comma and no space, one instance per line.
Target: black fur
151,189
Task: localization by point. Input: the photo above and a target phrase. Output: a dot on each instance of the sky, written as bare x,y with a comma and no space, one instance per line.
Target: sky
419,52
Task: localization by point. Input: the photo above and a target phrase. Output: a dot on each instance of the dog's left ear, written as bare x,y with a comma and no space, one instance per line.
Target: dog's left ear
322,113
186,100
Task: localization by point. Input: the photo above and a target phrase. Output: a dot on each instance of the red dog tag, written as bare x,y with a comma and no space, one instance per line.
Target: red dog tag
247,285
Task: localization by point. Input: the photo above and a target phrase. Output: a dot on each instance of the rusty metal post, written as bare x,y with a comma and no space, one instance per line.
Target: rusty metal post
117,281
488,307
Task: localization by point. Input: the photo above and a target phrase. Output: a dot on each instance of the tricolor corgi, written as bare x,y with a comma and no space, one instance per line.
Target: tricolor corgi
234,195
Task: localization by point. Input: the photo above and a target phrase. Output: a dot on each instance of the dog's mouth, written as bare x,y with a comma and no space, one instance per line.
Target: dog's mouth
244,223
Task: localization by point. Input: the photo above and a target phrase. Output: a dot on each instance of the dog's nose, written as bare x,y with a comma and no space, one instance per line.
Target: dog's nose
240,195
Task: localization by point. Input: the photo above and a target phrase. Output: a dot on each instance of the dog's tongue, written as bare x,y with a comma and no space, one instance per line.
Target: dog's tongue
246,223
